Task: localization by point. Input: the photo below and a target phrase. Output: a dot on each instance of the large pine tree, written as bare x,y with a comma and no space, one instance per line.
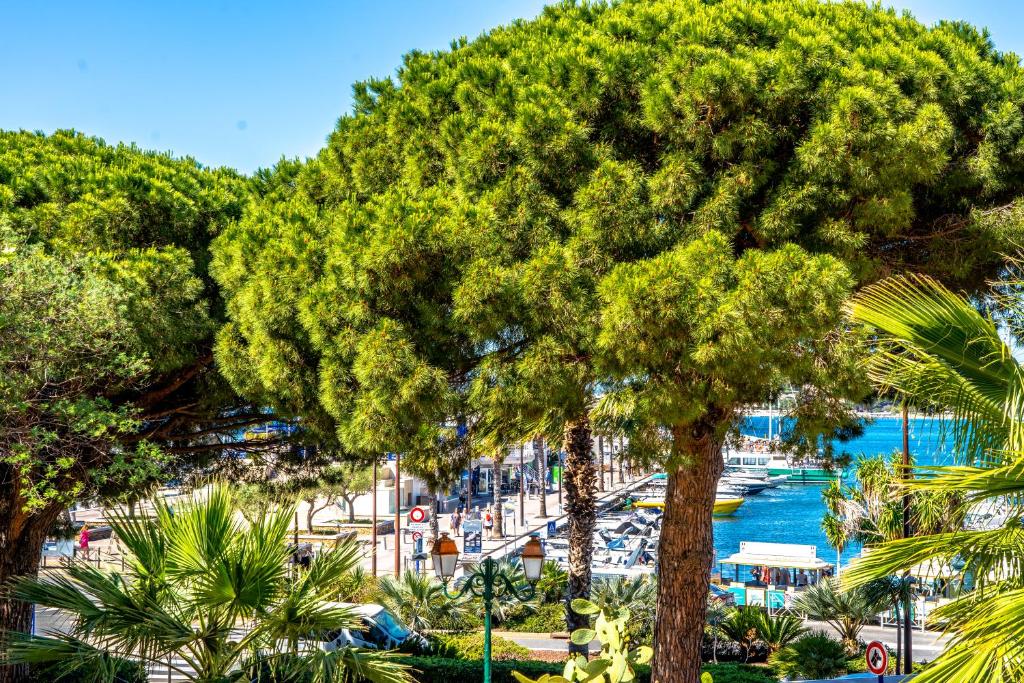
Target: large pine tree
107,318
661,202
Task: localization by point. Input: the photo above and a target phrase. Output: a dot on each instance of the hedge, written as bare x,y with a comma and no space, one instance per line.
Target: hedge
442,670
471,646
127,671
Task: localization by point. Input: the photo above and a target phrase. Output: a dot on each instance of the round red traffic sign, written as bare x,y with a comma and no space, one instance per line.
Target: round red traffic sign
877,657
416,535
417,514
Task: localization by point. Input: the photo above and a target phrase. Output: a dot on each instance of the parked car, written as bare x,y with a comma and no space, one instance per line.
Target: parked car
381,630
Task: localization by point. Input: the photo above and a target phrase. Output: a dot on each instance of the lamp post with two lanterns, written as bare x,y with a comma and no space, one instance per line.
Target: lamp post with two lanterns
487,582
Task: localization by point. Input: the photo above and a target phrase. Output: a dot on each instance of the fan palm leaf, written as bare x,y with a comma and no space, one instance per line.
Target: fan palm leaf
844,610
204,588
779,631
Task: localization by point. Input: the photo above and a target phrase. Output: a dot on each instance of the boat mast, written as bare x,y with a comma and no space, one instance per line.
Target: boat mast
769,419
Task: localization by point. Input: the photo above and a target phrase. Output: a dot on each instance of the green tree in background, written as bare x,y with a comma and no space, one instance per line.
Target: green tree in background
325,486
935,350
107,317
655,205
844,610
204,595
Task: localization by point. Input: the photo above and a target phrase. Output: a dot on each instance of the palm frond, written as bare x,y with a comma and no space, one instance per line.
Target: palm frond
991,555
987,642
935,349
359,664
976,483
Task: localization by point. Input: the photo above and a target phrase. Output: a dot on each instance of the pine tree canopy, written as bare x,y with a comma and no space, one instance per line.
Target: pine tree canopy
458,224
105,304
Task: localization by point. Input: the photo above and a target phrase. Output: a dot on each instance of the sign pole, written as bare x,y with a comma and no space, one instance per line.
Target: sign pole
522,487
908,631
877,659
373,553
398,514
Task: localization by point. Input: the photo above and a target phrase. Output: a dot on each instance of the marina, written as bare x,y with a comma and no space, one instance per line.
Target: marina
763,498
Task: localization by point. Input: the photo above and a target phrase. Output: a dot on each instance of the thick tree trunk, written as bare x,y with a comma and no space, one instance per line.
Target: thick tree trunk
580,482
310,513
542,475
496,514
685,552
352,509
21,545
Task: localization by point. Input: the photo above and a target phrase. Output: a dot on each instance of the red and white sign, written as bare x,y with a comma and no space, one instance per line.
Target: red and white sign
418,514
877,657
416,535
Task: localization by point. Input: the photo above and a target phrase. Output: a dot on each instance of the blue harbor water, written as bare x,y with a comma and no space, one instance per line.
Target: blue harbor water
792,513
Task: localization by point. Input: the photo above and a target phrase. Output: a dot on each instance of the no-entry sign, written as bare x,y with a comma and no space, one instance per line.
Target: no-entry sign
877,657
418,514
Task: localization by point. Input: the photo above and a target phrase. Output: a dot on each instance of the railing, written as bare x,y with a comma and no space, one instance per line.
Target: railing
603,503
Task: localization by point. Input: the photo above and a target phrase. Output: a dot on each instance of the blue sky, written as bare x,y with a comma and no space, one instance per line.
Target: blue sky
243,83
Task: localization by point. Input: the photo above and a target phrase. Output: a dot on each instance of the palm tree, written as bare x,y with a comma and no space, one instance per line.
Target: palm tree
845,611
638,594
715,615
837,535
504,604
779,631
553,580
203,587
420,601
741,628
814,656
935,350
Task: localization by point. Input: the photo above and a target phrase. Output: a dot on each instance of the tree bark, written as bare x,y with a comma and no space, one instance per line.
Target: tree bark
686,551
542,475
580,483
435,528
622,452
496,515
21,536
310,513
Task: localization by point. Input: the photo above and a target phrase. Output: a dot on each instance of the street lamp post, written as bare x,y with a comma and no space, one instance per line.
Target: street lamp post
487,582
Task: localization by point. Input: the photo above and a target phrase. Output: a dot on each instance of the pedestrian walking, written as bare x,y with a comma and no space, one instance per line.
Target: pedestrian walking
83,541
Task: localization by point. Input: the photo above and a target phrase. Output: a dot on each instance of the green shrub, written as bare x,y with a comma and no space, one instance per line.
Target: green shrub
738,673
125,671
545,619
817,655
471,646
443,670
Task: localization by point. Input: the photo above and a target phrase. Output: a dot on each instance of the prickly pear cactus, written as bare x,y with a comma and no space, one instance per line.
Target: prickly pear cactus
616,661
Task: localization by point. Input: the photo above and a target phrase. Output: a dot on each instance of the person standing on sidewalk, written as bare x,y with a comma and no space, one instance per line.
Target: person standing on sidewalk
489,522
456,521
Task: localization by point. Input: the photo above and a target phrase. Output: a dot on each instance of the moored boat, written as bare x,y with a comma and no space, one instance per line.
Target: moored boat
723,506
757,457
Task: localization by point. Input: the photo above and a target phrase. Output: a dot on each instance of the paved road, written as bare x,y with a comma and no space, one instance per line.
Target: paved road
927,644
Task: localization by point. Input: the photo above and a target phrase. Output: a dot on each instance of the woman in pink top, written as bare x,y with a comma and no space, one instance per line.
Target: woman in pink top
83,541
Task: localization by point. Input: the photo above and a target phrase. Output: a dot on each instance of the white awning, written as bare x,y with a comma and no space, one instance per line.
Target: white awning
778,555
